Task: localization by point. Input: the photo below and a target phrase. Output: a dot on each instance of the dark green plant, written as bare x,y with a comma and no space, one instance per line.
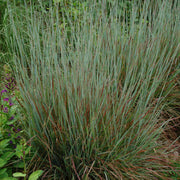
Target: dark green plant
12,145
14,150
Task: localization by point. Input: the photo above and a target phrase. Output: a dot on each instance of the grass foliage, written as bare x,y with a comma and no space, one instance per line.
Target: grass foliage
94,84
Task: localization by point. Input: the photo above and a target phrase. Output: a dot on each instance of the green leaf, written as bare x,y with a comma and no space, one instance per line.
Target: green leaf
11,122
35,175
13,110
3,119
2,162
28,150
19,174
7,155
4,175
19,152
4,143
2,171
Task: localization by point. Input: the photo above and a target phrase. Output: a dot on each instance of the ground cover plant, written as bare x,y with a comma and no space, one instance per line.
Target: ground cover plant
97,84
14,150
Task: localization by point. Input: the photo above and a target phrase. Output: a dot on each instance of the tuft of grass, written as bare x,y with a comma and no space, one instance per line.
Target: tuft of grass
94,88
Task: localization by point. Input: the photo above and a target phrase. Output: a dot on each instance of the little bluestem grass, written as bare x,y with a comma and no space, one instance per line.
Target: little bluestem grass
94,87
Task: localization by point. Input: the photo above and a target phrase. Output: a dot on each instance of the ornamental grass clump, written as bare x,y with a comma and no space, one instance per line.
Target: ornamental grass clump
95,87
